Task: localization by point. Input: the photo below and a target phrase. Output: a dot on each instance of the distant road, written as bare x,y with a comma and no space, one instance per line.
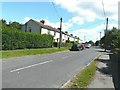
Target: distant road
45,71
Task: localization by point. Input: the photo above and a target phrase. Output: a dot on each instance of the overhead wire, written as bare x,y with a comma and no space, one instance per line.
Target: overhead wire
103,9
104,12
55,9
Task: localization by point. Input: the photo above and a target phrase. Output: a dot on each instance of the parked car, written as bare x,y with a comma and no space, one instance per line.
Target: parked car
76,47
83,46
88,45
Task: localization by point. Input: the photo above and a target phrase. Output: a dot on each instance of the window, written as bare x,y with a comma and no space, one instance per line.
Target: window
29,29
54,33
48,31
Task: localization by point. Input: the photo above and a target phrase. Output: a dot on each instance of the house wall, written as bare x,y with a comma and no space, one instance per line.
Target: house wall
46,31
23,28
64,37
31,26
34,27
80,41
52,33
56,37
71,38
76,39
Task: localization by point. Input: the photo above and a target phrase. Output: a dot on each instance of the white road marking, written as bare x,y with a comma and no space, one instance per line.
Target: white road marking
30,66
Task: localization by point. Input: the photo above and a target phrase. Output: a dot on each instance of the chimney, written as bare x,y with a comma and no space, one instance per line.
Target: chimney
42,21
66,32
71,34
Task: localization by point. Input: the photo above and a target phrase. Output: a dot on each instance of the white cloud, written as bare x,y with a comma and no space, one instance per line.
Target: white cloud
93,33
76,20
26,19
86,11
90,9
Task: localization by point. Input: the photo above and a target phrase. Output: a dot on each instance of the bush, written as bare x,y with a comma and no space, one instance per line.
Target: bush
16,39
63,44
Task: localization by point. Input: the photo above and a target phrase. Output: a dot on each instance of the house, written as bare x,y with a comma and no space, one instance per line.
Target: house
65,36
71,37
79,40
40,27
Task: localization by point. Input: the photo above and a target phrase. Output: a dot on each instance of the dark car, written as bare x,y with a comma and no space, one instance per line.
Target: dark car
76,47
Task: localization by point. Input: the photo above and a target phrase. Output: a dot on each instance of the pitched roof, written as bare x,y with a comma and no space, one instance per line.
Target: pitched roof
50,28
46,26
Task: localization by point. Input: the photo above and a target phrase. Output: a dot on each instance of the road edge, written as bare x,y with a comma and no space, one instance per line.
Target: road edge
66,83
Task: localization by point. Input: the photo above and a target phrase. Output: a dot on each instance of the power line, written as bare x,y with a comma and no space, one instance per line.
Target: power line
103,9
90,25
55,10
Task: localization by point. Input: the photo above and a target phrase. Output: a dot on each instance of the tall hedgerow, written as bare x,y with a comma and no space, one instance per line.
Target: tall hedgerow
16,39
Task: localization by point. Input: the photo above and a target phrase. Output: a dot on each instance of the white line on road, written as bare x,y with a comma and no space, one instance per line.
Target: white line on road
30,66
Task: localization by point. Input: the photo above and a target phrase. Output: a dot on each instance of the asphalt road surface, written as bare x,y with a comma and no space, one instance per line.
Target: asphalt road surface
45,71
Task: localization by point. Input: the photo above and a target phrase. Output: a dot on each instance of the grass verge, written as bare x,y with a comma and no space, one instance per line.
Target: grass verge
84,77
17,53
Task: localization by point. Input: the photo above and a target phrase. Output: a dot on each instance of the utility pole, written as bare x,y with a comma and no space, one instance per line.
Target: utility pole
106,34
60,32
100,39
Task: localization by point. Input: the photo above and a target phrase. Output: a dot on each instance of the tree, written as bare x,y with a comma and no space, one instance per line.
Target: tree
97,43
2,21
111,38
91,42
15,24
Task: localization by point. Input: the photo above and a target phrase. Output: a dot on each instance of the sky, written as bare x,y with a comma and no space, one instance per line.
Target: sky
82,18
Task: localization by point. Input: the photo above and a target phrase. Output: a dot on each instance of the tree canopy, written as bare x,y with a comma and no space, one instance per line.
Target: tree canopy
111,39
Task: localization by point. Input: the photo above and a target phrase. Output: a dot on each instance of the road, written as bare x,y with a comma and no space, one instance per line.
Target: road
45,71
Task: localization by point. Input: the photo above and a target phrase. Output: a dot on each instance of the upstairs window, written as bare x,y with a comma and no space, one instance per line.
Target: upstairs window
48,31
54,33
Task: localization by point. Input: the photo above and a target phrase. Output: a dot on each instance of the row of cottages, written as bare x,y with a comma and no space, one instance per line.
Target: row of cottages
39,27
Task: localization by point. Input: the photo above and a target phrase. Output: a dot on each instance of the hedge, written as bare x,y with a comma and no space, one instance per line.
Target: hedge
15,39
63,44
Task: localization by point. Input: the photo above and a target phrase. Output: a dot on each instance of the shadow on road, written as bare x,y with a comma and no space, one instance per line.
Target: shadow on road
111,69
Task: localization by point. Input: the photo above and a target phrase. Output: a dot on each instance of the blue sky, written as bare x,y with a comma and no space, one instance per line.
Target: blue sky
80,17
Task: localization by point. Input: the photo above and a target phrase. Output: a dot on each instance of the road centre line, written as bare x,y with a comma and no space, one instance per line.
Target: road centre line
31,66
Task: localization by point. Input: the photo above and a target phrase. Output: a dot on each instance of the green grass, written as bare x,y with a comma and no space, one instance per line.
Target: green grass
84,77
18,53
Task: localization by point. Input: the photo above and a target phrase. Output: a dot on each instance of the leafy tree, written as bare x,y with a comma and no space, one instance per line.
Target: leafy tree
91,42
111,39
15,24
97,43
2,21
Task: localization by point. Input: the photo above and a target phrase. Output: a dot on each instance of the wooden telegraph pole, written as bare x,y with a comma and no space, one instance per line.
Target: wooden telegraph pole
106,34
60,32
100,39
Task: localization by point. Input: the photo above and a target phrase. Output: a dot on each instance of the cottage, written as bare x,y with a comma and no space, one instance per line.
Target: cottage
40,27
